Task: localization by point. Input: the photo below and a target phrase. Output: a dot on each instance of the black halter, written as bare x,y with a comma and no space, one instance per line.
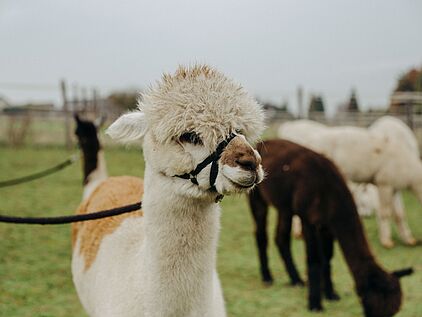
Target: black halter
211,159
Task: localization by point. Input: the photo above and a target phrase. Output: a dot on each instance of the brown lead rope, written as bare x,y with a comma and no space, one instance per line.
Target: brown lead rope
72,218
28,178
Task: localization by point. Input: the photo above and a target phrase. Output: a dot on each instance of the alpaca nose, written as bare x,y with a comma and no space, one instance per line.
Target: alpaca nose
247,162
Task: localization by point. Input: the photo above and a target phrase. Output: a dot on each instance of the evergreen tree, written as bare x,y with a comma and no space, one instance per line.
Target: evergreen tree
353,102
316,104
125,100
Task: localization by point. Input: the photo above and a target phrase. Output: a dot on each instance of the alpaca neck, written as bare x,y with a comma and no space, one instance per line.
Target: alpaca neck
348,229
180,249
95,170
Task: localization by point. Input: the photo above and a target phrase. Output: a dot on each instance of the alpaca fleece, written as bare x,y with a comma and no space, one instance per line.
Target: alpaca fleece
305,183
163,264
111,193
200,99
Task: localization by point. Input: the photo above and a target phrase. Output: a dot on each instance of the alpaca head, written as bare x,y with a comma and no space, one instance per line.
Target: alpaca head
86,132
185,118
382,296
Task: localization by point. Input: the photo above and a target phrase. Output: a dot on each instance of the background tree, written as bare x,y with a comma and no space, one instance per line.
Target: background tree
316,104
124,100
353,102
411,81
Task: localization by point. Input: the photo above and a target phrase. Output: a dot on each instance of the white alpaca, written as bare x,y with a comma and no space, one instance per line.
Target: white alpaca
366,198
307,133
162,261
367,157
396,129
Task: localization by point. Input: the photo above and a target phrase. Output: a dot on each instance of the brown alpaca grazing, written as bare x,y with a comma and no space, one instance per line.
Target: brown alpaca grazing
300,181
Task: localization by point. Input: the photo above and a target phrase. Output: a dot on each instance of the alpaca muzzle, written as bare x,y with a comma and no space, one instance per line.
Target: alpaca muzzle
211,159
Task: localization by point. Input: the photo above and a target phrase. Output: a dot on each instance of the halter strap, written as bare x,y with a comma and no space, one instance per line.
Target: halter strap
211,159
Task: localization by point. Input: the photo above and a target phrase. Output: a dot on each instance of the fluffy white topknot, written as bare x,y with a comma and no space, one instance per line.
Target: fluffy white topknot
200,99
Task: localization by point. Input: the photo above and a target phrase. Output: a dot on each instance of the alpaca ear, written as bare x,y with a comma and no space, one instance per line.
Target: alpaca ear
100,121
403,272
129,127
76,116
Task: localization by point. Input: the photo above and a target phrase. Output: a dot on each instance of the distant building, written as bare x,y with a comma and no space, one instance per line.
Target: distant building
41,108
273,111
3,103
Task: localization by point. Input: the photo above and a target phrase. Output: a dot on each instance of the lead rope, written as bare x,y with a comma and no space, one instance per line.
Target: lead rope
31,177
211,159
72,218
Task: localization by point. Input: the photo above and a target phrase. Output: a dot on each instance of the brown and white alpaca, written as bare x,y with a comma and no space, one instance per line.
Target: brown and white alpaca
195,128
303,182
94,166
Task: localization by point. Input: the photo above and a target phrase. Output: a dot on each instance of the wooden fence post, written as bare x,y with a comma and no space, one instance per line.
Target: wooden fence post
95,102
75,99
409,113
68,139
301,112
84,100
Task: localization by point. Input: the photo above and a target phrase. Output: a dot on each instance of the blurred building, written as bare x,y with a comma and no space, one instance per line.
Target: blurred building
3,103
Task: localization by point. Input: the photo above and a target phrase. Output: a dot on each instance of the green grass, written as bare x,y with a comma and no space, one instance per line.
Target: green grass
35,277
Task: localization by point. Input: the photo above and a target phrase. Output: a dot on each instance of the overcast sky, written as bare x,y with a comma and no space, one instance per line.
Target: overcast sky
271,47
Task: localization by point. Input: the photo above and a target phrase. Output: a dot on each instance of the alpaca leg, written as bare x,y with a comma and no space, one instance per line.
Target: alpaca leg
384,215
297,227
283,241
400,219
327,246
259,212
313,259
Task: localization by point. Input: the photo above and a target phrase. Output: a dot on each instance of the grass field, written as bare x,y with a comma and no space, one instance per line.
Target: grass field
35,279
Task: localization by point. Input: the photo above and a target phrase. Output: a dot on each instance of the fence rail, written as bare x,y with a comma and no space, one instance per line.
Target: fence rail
48,126
43,126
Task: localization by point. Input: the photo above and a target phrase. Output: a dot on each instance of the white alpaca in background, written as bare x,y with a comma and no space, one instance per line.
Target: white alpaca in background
366,198
396,129
366,156
161,262
306,133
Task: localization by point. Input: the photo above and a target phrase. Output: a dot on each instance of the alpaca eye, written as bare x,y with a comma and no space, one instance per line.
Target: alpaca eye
190,137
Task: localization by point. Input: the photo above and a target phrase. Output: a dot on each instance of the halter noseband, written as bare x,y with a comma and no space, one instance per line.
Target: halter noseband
211,159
